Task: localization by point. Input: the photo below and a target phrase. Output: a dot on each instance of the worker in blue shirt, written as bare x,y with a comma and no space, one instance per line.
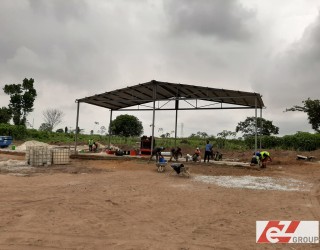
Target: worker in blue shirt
208,150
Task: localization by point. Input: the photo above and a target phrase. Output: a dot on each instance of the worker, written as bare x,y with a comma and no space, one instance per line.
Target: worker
94,147
208,151
175,153
264,158
90,143
156,152
196,156
255,160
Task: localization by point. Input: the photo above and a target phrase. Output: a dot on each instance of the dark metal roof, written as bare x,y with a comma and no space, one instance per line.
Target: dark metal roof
162,91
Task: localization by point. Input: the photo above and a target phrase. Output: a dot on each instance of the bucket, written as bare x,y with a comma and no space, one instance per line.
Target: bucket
13,147
162,160
133,152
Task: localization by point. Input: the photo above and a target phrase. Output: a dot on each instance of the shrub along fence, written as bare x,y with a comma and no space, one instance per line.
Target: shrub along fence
17,132
302,141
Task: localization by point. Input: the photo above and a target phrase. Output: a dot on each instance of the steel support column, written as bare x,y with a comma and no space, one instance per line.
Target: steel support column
109,144
77,123
153,116
176,123
261,128
256,124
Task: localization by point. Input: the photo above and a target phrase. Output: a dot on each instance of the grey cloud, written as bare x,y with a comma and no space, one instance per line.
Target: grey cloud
77,42
289,78
292,76
49,39
307,51
62,10
223,19
78,48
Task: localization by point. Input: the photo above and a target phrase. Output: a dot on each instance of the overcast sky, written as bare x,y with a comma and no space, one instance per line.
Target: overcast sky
77,48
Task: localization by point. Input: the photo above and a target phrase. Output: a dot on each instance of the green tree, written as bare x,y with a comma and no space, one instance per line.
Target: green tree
247,127
45,127
5,115
126,125
312,108
193,135
199,134
225,133
204,135
222,137
22,97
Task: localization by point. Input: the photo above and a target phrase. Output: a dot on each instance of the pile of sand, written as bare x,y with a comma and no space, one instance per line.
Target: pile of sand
23,147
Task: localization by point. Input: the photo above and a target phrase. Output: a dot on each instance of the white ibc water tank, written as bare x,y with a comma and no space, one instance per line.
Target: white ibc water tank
37,155
61,156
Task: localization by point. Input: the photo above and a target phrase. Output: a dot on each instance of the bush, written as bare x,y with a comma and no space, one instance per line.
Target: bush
302,141
184,141
270,142
18,132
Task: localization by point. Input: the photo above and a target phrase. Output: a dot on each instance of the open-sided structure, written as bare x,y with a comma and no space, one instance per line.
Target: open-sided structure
143,97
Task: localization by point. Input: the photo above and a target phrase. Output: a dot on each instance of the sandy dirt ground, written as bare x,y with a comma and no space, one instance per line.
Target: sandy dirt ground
127,204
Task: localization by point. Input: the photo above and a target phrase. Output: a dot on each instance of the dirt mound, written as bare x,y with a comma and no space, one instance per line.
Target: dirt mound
23,146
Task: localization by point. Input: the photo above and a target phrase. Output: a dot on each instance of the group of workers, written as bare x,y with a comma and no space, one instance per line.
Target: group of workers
196,157
259,158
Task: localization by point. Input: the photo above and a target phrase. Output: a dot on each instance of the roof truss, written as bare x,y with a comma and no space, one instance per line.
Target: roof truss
142,94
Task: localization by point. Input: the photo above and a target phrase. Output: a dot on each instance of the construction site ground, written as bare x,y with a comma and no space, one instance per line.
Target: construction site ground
124,203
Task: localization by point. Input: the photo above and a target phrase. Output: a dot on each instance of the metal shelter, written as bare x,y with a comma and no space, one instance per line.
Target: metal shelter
138,97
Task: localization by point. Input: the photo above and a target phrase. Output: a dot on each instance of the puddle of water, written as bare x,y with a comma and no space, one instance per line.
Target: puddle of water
252,182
